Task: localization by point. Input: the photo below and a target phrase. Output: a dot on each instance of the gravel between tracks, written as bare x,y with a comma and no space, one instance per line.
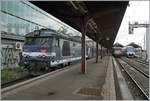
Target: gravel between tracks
137,65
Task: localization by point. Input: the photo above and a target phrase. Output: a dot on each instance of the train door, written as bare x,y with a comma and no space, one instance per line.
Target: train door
57,49
66,51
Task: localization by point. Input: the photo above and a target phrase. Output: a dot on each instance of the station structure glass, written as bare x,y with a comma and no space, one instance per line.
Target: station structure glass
21,17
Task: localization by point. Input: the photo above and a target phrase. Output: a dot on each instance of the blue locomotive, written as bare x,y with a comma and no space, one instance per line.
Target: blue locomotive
45,49
129,51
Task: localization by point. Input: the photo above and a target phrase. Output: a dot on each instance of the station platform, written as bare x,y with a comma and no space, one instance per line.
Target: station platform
70,84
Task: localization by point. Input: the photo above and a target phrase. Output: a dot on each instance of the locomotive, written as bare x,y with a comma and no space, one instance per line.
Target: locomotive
117,52
45,49
129,51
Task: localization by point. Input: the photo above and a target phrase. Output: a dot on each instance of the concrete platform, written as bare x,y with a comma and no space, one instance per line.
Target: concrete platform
70,84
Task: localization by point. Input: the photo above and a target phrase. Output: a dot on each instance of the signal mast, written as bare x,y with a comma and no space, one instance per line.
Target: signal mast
144,25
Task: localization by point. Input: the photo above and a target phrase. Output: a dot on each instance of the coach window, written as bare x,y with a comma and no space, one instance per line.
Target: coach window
66,48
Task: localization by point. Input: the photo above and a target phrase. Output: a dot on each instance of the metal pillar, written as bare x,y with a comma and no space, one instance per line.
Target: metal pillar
83,46
101,52
148,31
147,43
97,51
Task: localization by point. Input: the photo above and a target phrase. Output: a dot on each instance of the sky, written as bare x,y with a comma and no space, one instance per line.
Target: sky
137,11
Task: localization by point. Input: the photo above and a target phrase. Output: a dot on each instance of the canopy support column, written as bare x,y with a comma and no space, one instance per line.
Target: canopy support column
101,52
97,51
83,45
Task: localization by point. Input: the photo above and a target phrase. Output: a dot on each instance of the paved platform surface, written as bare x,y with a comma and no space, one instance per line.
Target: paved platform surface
68,84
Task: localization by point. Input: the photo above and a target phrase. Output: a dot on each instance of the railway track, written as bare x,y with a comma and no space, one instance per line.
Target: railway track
15,81
143,69
142,61
139,79
22,79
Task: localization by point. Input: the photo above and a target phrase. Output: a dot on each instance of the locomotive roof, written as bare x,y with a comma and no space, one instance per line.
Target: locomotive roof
50,33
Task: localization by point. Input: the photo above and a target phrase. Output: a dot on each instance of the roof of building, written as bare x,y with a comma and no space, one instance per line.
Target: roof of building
134,45
118,45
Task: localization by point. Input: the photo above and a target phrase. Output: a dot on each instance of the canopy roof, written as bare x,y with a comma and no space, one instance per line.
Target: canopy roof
105,16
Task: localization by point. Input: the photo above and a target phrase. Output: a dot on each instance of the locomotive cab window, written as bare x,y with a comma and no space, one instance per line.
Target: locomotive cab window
38,41
34,44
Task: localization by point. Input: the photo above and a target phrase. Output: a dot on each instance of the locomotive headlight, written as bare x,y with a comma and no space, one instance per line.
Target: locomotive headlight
53,58
25,55
42,56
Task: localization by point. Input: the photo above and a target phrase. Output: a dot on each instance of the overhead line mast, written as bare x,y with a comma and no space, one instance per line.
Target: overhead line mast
144,25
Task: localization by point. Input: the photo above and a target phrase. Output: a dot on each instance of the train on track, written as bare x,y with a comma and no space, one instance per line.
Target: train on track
46,49
117,52
127,51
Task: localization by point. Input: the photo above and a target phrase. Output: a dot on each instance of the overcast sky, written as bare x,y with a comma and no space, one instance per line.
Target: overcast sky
137,11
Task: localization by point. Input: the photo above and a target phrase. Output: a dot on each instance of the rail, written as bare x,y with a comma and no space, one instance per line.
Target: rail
142,91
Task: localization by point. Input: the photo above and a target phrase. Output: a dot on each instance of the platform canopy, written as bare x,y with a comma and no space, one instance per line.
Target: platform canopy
104,17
